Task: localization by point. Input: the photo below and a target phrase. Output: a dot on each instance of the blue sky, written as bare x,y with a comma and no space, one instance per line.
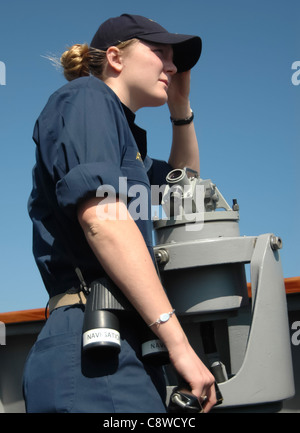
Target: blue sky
245,103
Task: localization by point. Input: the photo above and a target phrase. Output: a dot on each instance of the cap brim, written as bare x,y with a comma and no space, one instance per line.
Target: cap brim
187,48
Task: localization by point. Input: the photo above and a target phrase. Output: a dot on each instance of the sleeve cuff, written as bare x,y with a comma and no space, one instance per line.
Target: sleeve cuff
83,181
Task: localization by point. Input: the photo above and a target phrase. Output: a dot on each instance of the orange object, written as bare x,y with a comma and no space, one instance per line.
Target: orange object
292,285
35,315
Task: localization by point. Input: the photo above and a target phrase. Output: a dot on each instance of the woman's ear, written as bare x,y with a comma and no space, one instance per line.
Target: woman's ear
114,59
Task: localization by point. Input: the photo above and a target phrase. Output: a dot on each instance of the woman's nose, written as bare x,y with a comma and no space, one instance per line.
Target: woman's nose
170,68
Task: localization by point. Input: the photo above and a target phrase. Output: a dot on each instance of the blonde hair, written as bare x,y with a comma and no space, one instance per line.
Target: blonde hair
80,60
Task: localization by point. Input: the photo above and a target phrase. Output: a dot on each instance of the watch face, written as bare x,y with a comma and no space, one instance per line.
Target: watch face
164,317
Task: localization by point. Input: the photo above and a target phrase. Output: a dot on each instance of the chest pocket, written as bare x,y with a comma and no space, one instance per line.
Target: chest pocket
133,167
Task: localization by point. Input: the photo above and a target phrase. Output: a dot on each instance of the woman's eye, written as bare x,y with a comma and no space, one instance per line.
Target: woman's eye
158,51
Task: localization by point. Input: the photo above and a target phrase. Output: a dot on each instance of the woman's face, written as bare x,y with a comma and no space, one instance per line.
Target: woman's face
146,74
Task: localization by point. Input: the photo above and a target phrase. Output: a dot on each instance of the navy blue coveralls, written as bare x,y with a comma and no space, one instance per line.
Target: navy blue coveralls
85,137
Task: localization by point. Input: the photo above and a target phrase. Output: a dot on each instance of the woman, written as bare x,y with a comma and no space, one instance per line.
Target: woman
87,139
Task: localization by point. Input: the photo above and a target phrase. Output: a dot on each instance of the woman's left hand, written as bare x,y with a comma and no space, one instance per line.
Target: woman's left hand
178,95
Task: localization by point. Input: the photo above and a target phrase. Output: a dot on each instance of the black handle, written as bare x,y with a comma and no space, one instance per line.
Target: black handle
183,400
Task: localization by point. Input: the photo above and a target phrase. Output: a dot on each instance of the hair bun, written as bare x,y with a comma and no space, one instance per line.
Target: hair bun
75,61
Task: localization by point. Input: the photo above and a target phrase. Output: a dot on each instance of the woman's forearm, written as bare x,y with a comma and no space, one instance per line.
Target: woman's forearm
122,252
184,150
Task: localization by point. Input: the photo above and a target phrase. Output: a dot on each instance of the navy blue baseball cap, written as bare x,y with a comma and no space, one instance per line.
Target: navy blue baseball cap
186,48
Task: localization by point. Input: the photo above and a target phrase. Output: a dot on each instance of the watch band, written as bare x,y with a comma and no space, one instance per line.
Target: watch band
186,121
